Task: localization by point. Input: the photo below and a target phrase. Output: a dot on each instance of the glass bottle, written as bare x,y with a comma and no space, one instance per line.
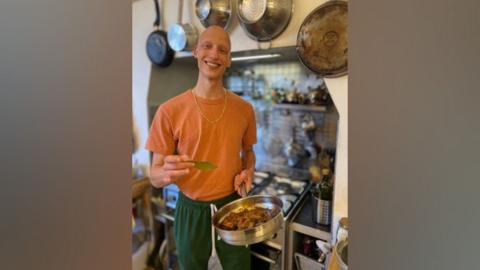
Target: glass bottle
326,186
322,200
342,230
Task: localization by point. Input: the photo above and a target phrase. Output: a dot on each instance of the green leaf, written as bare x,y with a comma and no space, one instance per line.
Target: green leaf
204,165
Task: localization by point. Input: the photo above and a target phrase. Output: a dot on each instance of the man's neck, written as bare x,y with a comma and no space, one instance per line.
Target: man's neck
209,89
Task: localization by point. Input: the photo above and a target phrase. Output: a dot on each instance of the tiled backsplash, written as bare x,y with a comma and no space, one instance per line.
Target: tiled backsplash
275,122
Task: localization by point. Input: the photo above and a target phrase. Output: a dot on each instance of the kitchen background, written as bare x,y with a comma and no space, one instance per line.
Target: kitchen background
152,85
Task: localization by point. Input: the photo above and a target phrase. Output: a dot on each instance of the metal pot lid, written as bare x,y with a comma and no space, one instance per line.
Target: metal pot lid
322,42
177,38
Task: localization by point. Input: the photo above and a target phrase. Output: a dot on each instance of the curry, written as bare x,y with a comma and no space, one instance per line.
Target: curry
246,218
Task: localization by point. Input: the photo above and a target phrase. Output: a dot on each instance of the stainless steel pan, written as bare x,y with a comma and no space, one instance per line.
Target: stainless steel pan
213,12
341,251
182,37
253,235
263,20
322,41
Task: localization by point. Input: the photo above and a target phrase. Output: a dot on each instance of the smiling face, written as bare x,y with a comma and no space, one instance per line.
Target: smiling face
213,53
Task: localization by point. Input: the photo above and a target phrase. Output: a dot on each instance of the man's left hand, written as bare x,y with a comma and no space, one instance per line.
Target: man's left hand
246,177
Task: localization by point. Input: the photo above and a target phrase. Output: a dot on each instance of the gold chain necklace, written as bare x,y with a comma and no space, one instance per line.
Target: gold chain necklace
204,116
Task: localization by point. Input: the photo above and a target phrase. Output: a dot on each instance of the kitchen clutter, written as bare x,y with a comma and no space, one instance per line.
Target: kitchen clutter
318,96
297,124
338,260
313,255
319,254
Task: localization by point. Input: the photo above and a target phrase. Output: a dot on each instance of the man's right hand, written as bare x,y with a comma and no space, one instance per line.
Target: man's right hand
169,169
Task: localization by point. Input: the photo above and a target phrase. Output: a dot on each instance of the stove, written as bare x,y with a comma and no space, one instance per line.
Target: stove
287,189
291,191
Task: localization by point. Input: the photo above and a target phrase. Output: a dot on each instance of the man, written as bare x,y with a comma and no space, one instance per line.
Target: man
205,123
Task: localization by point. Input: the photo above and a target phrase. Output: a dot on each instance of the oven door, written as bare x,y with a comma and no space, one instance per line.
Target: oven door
265,257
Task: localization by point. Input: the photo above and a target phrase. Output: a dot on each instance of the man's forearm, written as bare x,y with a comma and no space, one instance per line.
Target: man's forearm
157,176
156,171
248,159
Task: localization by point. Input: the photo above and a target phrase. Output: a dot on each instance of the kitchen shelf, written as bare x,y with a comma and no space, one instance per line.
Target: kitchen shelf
303,222
315,108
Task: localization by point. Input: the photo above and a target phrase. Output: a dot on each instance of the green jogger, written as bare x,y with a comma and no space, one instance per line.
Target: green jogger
192,232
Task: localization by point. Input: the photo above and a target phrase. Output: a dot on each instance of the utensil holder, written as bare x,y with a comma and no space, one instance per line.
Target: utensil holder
322,211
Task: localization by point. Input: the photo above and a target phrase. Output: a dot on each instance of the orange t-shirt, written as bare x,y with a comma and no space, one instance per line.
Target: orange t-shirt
179,127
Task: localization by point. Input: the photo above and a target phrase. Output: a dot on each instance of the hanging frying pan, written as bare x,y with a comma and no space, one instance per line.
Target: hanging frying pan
158,50
322,41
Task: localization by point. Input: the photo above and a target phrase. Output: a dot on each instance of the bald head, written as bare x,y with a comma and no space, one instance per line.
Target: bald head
214,32
213,53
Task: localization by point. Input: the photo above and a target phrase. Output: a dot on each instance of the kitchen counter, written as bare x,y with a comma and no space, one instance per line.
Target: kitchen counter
139,186
303,222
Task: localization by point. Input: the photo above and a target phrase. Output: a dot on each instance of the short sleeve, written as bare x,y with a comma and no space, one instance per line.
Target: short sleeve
160,137
250,136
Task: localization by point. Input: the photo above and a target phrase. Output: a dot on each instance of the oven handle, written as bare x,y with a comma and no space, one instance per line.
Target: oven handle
167,217
261,257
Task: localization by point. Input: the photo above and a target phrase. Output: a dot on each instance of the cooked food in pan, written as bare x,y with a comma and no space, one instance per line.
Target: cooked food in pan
246,218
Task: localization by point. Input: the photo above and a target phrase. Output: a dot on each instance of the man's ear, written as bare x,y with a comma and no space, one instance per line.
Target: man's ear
194,51
229,61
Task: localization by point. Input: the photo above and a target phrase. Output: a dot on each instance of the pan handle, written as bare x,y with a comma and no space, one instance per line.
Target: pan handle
264,258
214,209
268,45
243,190
180,12
156,23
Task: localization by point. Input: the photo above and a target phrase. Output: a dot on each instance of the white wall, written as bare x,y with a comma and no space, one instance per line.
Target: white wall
143,17
338,88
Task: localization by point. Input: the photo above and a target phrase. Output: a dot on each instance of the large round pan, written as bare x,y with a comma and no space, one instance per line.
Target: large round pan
322,41
253,235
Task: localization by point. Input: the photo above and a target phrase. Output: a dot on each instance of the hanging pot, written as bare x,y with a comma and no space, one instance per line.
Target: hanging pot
158,50
322,41
263,20
182,37
213,12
